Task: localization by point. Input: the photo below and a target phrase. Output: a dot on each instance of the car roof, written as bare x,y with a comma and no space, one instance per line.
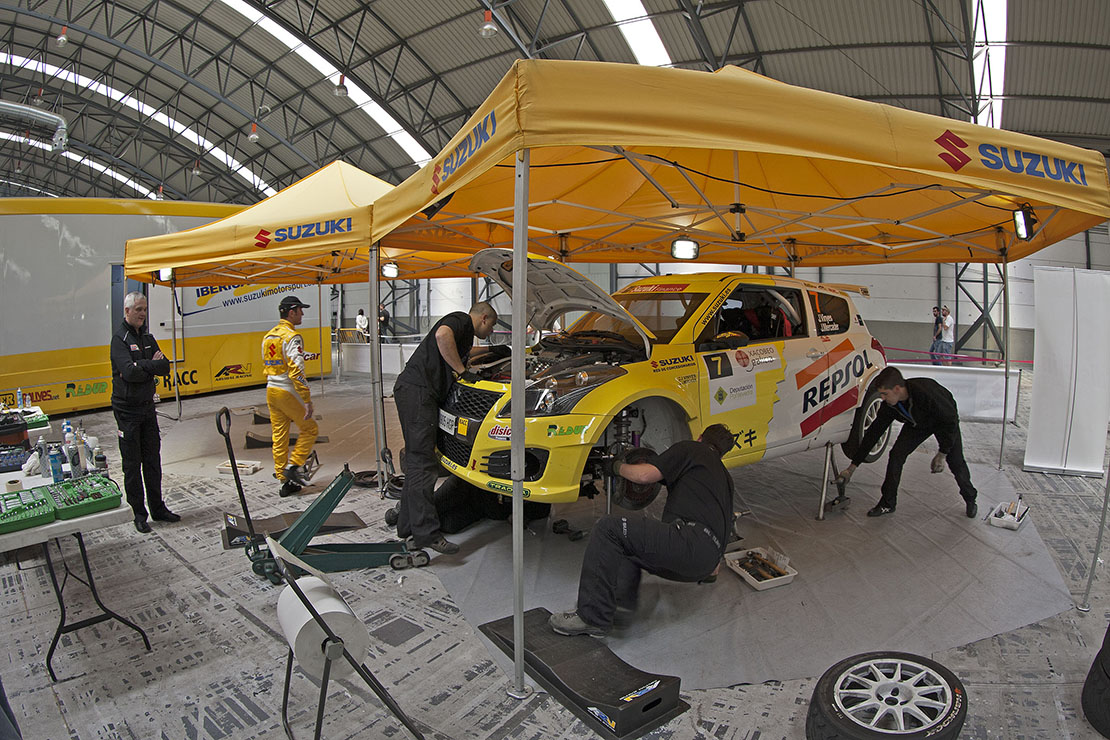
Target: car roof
713,281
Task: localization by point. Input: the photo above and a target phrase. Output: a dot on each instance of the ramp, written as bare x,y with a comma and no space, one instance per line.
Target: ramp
612,697
259,441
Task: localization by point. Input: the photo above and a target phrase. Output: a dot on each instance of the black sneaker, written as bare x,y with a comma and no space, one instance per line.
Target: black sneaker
295,474
880,509
289,488
972,509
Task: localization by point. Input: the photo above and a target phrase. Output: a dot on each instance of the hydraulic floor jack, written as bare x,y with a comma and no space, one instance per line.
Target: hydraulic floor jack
296,539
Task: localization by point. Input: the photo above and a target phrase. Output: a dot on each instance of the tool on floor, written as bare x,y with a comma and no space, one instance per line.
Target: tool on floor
842,500
322,632
562,526
296,538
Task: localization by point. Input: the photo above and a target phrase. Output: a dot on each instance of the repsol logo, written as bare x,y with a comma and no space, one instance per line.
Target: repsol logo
840,378
185,377
85,389
303,231
1032,164
466,149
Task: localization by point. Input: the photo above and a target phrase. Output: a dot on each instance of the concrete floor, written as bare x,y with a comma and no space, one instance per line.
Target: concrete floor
217,665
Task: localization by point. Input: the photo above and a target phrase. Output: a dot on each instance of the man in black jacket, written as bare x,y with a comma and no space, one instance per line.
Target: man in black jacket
686,545
421,387
136,361
926,409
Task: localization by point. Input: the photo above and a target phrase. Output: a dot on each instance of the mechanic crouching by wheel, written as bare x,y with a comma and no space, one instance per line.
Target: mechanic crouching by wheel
687,545
420,388
926,409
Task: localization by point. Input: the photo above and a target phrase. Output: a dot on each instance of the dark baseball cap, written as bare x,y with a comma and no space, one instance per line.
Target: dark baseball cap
292,301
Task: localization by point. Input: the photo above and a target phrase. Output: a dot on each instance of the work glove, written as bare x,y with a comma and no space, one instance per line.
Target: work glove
612,467
470,377
938,462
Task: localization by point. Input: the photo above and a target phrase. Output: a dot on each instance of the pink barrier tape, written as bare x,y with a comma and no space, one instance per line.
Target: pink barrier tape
942,356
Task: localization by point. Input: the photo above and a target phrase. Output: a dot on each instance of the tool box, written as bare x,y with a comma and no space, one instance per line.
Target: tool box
1009,515
762,568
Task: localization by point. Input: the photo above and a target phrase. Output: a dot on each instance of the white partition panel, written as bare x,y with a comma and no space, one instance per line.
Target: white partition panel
978,390
1071,358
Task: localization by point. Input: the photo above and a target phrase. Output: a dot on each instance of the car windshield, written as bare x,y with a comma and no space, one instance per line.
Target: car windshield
662,313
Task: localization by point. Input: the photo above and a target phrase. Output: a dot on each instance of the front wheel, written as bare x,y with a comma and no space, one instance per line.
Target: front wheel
887,695
865,417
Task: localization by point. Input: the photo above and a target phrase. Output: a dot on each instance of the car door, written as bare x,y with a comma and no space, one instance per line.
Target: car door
746,352
829,383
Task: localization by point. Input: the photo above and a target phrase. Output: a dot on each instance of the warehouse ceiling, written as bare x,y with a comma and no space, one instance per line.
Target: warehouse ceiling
231,100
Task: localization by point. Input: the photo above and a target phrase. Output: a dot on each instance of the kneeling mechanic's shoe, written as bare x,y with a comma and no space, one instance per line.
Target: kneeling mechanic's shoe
289,488
391,517
972,509
570,624
443,545
880,509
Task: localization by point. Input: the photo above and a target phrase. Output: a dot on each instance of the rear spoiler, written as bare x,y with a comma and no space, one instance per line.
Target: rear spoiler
863,290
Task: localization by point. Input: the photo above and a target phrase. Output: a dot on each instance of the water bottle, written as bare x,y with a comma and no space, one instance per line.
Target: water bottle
19,398
56,464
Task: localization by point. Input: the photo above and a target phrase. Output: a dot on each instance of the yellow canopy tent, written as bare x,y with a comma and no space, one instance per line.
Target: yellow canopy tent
626,158
313,231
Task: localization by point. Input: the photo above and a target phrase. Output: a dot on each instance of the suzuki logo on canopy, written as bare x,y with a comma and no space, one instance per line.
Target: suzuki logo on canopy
477,137
302,231
952,155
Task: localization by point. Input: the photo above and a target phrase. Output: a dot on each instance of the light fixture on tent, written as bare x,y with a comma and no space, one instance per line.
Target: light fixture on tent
390,270
488,27
1024,221
684,248
252,137
165,274
63,38
341,89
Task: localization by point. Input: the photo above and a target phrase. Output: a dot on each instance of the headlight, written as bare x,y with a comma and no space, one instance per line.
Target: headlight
559,394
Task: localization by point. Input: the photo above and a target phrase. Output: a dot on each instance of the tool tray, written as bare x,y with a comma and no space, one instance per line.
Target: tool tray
1001,516
74,498
25,509
738,561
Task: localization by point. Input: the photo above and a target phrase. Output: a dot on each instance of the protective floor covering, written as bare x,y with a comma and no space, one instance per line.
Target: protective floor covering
921,580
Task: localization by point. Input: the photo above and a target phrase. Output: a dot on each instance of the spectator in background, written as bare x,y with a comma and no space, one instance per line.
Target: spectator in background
383,320
362,323
947,344
933,346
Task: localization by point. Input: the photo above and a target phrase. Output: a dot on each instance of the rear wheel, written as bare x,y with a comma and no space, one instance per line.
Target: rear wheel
865,417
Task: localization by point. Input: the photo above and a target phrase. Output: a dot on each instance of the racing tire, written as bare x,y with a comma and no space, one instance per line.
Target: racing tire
865,416
886,695
1095,699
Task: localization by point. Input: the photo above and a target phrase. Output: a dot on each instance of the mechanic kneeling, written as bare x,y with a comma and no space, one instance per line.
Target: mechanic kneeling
687,545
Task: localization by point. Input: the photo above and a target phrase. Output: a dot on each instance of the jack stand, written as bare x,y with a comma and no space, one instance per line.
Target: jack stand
328,557
334,649
311,465
841,501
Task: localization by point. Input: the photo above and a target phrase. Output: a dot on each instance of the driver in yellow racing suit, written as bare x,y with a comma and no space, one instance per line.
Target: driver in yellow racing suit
287,395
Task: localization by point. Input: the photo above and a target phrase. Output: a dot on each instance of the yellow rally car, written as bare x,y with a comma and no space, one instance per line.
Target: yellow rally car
785,363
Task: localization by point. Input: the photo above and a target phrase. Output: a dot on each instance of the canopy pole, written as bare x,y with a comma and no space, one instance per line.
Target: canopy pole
173,335
1005,352
519,690
377,400
320,323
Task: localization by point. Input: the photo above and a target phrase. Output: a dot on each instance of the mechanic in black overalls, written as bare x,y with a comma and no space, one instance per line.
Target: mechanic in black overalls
687,545
136,363
420,389
926,409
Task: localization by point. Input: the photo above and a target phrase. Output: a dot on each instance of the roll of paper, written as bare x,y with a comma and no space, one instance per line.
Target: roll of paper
15,484
306,638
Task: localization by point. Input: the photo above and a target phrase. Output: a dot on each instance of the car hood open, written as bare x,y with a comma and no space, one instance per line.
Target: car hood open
553,289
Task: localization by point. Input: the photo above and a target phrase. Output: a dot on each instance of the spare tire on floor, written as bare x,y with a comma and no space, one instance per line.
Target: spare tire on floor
887,695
